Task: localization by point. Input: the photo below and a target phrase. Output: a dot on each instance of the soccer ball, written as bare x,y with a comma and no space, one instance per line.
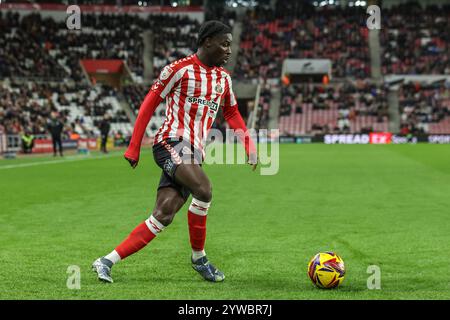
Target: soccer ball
326,270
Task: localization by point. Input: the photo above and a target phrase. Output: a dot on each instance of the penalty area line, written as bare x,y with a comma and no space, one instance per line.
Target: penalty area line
65,160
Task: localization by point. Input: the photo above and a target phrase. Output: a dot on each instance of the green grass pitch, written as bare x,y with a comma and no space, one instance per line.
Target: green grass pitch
374,205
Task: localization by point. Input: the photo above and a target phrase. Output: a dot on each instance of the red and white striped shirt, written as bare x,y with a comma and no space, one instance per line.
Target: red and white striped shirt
193,92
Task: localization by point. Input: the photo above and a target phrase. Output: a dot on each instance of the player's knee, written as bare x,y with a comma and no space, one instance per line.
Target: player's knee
203,192
164,213
163,216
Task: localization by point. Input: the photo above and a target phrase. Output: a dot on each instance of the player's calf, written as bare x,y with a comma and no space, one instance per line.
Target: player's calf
198,211
136,240
197,214
168,203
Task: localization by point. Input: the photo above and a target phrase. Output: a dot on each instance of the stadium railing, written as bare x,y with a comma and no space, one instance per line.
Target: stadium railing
10,144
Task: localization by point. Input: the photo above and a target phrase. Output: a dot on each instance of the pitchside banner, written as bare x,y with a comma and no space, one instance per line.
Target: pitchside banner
441,138
46,145
300,139
42,146
91,143
380,138
346,139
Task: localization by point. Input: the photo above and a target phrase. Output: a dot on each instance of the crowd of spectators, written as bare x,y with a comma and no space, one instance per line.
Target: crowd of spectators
23,49
47,54
174,38
44,48
413,42
421,106
416,40
20,110
342,104
134,95
27,107
265,97
303,31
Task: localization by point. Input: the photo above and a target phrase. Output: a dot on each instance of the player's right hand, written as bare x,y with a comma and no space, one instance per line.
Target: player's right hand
133,163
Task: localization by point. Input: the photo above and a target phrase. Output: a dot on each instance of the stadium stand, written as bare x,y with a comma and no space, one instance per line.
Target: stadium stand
342,108
425,109
23,51
174,39
53,51
270,36
264,106
40,61
134,95
28,106
416,40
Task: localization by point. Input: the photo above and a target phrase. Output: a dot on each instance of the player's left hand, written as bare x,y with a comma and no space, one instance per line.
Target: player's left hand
253,161
133,163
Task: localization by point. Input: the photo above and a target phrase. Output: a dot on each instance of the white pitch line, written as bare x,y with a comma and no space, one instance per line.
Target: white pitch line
66,159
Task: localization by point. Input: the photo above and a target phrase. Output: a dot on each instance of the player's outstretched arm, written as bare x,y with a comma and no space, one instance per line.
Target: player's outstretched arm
146,110
234,119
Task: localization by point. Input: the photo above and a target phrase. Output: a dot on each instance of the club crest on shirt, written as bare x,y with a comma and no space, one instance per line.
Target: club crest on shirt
218,88
165,73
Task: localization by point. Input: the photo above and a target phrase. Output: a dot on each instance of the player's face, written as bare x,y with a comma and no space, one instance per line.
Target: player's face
220,49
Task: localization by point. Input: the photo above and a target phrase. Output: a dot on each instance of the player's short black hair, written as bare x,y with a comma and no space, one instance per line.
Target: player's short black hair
210,29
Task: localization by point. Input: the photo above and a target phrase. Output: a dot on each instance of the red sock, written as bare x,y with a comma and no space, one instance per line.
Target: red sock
197,223
197,231
139,237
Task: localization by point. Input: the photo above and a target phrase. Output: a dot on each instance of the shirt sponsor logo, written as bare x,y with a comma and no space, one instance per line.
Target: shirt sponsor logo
210,104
